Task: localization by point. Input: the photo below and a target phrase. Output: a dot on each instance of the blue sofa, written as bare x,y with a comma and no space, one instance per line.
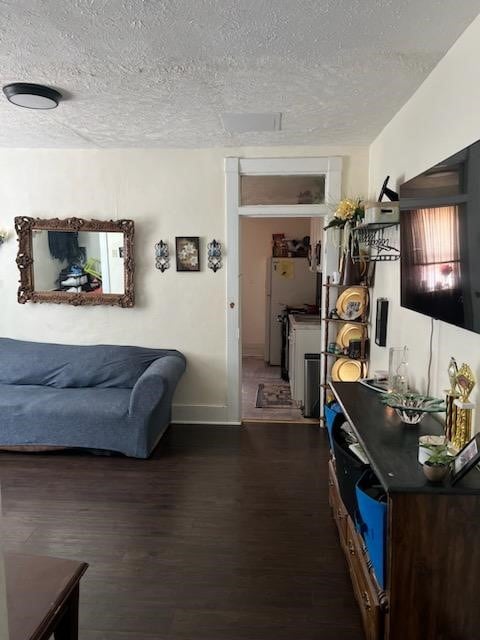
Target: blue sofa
102,397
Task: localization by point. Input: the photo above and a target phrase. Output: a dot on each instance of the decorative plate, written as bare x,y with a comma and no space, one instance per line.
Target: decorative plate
351,303
346,370
348,332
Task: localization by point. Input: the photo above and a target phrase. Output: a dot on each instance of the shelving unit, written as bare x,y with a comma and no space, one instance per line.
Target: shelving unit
383,246
340,355
362,323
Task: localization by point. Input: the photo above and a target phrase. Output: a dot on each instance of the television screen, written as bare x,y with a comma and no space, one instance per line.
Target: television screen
440,240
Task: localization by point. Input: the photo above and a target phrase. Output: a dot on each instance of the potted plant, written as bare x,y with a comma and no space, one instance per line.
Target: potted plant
437,466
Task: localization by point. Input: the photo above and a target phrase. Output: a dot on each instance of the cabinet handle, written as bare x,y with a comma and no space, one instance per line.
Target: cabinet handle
366,601
351,548
330,483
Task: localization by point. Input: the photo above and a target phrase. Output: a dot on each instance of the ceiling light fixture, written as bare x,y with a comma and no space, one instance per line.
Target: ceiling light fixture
32,96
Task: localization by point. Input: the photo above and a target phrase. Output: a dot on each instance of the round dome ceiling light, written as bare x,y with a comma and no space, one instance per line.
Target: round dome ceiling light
32,96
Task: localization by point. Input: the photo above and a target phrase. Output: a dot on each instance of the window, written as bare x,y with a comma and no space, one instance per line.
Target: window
281,190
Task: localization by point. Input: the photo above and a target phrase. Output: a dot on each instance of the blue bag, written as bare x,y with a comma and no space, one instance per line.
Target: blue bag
332,412
372,522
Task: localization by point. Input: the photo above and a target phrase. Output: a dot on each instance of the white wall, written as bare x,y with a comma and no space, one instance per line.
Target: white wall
256,248
46,269
115,263
90,240
167,193
441,118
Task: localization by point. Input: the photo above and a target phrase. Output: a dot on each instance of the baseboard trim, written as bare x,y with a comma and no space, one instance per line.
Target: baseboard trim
200,414
253,350
210,422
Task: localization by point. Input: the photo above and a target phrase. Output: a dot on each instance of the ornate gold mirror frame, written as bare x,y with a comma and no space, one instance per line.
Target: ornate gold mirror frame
25,227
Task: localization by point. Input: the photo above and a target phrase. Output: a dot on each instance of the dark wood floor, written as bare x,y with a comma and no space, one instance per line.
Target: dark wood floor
225,534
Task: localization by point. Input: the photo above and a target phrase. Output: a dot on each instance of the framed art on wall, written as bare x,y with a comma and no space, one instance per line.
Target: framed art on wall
188,253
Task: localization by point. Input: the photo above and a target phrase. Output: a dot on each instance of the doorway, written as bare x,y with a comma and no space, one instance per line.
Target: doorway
277,281
329,171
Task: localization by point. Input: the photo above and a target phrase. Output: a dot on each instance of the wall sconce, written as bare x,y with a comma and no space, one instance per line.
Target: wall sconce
214,255
3,236
162,256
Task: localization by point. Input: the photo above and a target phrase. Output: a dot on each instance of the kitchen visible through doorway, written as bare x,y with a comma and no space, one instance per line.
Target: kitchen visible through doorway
280,294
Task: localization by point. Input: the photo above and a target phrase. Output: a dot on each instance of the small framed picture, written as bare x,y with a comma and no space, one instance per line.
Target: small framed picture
466,458
188,253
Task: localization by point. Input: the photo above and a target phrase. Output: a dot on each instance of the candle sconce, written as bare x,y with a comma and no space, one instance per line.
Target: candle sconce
3,236
214,255
162,256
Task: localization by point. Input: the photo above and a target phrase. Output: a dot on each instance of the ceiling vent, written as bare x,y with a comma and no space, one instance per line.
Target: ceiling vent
248,122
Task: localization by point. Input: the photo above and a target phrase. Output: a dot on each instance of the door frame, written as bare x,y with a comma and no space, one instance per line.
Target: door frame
331,168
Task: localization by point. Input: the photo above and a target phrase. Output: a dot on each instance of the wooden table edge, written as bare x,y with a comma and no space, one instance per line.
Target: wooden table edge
47,625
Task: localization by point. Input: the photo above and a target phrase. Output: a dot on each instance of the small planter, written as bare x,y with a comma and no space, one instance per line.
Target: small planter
435,472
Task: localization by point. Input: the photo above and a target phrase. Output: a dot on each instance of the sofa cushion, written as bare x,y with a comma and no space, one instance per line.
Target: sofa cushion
64,366
44,407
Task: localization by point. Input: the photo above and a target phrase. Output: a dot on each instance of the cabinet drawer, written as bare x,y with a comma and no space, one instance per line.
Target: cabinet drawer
338,509
364,586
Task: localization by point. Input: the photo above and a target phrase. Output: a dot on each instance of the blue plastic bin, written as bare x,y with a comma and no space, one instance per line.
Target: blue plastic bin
372,522
333,413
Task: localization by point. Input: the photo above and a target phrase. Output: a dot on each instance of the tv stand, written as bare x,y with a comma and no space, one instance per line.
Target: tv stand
432,549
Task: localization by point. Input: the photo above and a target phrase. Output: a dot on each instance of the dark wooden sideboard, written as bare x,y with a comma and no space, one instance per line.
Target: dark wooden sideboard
432,547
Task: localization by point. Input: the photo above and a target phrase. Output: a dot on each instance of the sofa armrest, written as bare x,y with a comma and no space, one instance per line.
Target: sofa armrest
156,381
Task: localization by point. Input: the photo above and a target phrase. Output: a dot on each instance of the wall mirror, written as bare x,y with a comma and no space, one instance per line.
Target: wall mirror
75,261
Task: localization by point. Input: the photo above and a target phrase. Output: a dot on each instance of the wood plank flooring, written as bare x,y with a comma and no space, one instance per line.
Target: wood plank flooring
224,534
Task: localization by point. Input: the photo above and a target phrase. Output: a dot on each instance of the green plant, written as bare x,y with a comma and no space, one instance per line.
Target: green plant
440,456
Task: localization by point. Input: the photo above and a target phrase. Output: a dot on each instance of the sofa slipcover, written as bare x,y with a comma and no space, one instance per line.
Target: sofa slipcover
113,398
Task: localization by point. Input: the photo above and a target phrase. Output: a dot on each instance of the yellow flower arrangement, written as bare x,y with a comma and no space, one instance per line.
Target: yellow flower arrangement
347,210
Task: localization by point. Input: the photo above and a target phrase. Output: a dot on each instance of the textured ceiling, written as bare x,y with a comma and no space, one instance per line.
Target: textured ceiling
159,73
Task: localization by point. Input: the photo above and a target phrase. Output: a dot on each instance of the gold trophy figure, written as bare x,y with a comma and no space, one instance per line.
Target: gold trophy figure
465,381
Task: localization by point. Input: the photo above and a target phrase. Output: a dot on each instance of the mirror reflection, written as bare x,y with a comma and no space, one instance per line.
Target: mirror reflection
88,262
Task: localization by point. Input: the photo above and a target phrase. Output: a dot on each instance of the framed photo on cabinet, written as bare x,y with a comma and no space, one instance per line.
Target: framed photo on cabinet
466,459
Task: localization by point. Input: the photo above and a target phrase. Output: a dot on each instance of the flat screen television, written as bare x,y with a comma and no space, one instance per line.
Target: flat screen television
440,240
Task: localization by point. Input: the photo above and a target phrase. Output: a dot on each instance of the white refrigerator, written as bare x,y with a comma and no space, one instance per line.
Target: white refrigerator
290,283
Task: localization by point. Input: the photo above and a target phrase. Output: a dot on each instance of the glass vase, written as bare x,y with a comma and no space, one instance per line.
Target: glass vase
398,370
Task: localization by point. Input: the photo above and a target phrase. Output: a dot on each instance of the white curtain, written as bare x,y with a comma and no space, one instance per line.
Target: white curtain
433,248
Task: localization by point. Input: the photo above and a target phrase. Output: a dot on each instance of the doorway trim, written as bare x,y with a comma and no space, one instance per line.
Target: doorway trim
331,168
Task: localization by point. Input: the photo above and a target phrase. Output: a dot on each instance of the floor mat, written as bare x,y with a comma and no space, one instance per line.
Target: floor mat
272,395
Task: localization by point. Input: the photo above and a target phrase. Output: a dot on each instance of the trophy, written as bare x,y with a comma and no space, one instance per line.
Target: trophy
451,395
462,430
